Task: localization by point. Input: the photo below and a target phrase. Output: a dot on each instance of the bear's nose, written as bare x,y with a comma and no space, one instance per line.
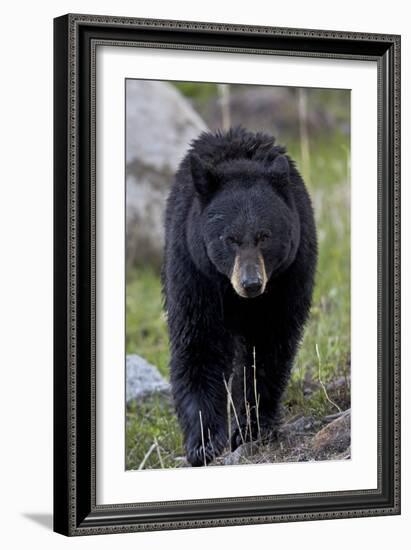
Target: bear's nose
252,285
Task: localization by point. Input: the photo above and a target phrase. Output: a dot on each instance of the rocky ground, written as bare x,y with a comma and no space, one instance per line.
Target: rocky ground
300,438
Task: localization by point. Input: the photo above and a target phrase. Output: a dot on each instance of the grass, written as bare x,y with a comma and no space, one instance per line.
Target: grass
199,93
146,326
148,423
329,325
152,424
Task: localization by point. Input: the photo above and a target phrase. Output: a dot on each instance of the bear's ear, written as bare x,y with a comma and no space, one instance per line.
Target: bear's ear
280,169
204,177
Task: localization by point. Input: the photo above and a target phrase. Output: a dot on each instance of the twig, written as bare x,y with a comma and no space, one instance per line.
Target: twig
256,396
334,416
247,408
234,409
158,453
322,383
146,456
202,438
224,93
304,140
229,410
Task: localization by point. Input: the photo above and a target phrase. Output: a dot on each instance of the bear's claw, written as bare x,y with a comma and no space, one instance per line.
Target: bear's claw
199,455
261,432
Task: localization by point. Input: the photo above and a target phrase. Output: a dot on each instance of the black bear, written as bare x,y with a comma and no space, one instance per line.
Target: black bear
238,275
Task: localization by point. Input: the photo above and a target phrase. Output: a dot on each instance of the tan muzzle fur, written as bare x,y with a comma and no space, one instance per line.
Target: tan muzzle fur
236,275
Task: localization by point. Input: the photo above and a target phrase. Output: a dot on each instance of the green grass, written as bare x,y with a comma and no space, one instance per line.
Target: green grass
146,332
328,329
192,90
329,324
153,422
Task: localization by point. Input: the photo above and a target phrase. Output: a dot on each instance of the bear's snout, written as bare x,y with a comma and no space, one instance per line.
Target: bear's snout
249,276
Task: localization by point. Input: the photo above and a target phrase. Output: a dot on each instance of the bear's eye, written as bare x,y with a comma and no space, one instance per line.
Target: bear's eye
261,237
232,240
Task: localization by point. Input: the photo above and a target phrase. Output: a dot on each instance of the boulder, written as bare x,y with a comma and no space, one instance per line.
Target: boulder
334,438
143,379
160,124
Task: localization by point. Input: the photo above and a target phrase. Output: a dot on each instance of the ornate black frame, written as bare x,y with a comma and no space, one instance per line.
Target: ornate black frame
75,40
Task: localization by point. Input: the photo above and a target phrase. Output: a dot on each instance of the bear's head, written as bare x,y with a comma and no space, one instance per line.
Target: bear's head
249,224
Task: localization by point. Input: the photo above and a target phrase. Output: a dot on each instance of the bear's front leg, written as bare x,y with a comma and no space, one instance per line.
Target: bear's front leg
202,352
200,399
268,365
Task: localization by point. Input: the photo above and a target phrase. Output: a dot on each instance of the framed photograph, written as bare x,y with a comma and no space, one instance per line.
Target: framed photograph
227,274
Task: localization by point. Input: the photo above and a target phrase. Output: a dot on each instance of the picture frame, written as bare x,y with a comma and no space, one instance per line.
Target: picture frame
76,38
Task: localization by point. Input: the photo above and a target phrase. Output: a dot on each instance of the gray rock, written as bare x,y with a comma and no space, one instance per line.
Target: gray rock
334,438
160,124
143,379
302,424
243,451
338,383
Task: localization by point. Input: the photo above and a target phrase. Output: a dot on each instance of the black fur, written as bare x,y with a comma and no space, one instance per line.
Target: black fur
234,190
